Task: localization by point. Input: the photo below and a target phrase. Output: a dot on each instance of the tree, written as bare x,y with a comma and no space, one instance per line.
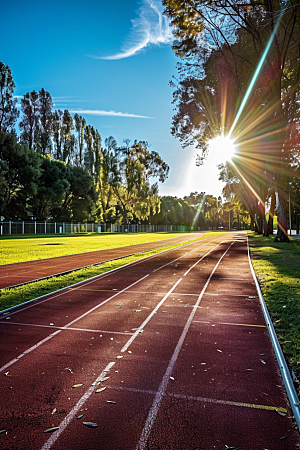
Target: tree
8,104
80,124
235,37
29,125
20,171
57,124
45,120
52,186
130,169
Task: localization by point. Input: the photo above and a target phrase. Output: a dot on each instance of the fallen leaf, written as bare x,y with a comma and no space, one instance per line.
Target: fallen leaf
280,412
90,424
100,390
103,379
77,385
50,430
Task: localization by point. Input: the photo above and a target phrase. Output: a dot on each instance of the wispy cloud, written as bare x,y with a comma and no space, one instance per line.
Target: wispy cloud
150,27
100,112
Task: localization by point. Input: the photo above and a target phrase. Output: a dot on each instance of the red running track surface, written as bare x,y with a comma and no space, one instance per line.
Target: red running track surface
24,272
179,343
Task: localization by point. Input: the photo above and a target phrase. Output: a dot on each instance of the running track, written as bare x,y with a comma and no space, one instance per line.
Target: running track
179,343
25,272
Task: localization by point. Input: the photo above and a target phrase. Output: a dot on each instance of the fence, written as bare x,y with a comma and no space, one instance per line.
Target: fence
33,227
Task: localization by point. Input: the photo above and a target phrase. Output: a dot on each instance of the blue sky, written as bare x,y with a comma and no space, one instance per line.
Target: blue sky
111,61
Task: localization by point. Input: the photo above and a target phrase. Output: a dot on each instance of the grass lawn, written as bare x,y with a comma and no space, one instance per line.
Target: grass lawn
16,296
277,267
27,248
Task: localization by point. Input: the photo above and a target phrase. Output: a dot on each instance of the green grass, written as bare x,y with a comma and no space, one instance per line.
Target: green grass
277,266
16,296
28,248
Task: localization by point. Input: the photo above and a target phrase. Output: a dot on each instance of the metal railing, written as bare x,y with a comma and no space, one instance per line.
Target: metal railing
11,227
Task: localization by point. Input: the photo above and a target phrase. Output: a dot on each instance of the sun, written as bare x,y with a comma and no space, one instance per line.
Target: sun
223,149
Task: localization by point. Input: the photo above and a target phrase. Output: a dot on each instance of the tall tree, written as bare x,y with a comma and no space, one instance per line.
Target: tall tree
131,170
45,119
57,124
29,125
241,34
80,124
20,171
8,104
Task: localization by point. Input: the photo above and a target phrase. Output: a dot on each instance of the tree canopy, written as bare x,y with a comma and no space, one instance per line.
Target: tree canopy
239,75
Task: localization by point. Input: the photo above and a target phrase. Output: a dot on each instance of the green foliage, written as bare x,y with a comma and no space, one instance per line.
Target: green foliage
221,45
21,169
8,104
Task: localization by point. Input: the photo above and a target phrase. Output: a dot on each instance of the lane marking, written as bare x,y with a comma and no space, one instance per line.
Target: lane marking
201,259
139,329
67,328
230,323
164,383
230,295
29,350
63,425
203,399
194,250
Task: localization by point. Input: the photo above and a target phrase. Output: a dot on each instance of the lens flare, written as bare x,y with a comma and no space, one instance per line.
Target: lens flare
223,148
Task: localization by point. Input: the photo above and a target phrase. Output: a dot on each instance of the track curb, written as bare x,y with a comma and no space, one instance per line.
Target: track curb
285,373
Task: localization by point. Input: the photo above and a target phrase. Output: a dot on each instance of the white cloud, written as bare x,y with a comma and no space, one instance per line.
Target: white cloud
100,112
150,27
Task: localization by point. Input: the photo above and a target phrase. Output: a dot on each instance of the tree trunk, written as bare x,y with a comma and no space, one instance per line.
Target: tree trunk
282,235
271,213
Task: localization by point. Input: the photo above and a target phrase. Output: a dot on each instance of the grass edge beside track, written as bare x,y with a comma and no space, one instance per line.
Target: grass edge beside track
278,272
16,296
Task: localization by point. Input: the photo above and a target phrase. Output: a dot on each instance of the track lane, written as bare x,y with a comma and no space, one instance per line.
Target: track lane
26,272
139,373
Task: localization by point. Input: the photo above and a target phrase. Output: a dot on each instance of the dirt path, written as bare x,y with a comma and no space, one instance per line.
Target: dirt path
179,343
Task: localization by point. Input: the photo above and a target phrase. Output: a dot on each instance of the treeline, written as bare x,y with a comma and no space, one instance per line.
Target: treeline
56,166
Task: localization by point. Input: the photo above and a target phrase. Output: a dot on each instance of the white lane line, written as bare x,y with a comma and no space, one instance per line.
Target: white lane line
68,328
164,383
29,350
194,250
201,399
140,328
200,260
75,410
